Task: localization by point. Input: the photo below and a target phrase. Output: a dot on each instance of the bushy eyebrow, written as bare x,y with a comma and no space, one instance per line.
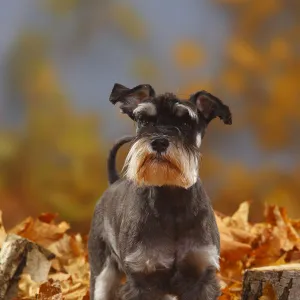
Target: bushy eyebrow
146,108
181,108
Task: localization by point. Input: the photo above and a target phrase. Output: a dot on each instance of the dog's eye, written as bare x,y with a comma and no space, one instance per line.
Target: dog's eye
144,122
186,125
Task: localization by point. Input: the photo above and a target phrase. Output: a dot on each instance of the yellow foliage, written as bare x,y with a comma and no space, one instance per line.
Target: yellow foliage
280,50
59,159
128,20
193,87
187,54
62,7
245,55
244,245
234,81
144,69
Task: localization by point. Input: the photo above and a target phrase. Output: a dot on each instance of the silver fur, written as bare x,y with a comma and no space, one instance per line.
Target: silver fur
149,260
182,108
147,108
106,281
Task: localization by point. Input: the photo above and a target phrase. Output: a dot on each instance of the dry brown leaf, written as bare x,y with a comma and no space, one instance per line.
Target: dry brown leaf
235,243
281,260
2,230
233,250
273,216
232,269
283,229
22,227
239,219
74,290
50,290
41,232
59,276
232,292
28,287
47,217
243,245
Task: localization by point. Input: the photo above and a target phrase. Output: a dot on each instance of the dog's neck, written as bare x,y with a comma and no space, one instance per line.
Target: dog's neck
169,191
171,196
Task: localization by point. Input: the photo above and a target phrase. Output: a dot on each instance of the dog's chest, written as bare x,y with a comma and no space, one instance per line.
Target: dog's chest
167,223
176,211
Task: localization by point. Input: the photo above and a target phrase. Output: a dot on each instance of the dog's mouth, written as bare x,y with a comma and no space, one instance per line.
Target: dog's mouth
158,158
158,169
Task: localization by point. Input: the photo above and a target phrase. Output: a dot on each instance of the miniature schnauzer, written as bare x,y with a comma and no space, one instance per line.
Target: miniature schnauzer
157,225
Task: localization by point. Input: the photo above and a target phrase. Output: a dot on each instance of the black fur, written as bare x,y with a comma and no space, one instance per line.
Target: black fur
159,236
211,107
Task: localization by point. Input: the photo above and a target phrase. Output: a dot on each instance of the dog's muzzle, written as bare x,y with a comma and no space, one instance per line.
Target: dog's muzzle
159,161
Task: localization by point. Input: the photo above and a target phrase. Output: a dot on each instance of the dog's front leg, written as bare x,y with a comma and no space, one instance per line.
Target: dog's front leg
105,275
107,282
133,291
148,274
189,287
195,278
197,265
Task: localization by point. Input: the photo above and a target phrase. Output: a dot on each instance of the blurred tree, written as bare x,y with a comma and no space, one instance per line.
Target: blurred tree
56,162
61,158
263,69
187,54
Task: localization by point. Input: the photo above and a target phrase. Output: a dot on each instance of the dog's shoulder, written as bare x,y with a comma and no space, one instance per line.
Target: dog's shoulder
200,190
116,192
119,187
201,196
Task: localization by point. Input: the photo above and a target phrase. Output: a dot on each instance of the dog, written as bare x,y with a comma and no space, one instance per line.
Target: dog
156,225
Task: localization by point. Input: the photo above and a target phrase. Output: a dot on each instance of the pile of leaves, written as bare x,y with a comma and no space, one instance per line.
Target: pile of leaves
69,275
244,245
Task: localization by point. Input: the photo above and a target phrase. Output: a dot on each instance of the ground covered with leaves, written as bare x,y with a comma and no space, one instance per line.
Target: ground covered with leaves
244,245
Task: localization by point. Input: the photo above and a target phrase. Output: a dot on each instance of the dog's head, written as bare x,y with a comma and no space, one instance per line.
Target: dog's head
169,133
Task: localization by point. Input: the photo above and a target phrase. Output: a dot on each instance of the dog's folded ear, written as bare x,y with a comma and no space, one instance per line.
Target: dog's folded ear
130,98
211,107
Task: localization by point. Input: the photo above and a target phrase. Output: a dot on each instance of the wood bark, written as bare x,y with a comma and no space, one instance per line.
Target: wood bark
272,283
19,255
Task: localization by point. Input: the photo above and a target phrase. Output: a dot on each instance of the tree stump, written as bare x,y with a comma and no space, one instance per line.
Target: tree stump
19,255
272,283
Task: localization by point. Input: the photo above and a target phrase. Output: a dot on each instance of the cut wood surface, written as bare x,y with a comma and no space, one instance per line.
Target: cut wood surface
20,255
271,283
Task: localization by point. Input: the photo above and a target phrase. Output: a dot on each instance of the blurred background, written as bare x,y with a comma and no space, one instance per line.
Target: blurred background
59,60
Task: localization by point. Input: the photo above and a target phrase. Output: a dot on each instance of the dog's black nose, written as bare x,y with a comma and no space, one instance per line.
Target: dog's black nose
160,145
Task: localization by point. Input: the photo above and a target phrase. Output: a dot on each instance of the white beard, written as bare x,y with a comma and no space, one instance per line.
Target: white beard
175,167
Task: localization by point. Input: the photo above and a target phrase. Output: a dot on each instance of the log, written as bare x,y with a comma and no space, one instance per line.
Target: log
271,283
19,255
